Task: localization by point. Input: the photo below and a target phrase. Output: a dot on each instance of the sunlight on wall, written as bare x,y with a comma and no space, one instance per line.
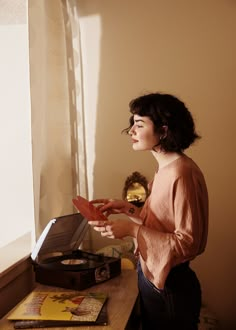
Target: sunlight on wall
90,28
16,189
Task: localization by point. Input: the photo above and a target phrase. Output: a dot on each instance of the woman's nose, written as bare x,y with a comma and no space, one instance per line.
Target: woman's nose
131,131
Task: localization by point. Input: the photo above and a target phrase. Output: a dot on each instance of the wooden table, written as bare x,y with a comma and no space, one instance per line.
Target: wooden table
123,294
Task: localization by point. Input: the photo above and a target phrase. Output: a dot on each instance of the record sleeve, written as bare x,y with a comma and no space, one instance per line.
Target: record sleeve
29,324
87,209
60,306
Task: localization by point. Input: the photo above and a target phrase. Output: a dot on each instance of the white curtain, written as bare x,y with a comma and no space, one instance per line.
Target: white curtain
59,157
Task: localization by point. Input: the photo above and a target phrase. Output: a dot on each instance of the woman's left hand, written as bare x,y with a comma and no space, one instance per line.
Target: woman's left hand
115,228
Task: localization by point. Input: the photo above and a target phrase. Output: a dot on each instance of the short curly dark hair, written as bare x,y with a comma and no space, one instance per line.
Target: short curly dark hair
166,110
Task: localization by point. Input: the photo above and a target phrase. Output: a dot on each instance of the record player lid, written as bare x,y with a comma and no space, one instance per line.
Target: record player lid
61,235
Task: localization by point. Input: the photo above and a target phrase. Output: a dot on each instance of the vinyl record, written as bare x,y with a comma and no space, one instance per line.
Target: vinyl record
73,262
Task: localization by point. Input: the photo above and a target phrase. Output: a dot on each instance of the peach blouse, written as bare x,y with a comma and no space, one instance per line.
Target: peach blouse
175,219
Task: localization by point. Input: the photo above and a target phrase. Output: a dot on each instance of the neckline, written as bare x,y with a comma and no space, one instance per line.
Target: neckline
182,156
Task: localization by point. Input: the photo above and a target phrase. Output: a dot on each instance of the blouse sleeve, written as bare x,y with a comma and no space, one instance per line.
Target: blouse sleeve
185,233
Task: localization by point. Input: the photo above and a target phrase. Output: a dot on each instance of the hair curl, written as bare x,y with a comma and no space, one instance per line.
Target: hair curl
166,110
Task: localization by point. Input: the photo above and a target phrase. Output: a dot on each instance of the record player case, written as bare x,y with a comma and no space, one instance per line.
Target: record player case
58,261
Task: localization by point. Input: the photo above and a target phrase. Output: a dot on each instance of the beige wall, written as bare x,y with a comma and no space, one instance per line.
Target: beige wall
186,48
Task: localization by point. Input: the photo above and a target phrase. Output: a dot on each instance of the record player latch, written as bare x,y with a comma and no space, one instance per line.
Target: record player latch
102,273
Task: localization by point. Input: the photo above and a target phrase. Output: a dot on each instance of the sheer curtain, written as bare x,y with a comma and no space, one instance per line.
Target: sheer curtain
59,157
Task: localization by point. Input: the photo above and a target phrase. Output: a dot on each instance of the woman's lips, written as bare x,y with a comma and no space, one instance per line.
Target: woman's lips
134,141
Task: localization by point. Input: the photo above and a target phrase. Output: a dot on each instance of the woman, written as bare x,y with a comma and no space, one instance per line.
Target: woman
171,229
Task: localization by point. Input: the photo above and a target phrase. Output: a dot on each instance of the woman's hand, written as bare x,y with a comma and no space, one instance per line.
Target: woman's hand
115,229
115,206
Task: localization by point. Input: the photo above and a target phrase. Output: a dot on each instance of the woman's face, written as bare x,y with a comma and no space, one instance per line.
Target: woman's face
142,133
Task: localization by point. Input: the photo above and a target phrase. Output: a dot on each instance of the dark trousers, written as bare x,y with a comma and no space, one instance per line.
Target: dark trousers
176,307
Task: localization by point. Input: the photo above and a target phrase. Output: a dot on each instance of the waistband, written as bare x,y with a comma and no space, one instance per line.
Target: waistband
180,267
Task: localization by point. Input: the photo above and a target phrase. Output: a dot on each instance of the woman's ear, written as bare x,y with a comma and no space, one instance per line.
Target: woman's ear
163,132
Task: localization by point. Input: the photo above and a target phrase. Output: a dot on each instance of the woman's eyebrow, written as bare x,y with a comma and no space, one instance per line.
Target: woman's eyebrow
138,120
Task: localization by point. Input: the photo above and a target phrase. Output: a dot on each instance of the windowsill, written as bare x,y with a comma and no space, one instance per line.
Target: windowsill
14,252
16,273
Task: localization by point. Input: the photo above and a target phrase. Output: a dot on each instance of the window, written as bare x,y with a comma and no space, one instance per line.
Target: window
16,189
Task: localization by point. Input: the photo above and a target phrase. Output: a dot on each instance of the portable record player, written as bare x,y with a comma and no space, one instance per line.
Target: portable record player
58,261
